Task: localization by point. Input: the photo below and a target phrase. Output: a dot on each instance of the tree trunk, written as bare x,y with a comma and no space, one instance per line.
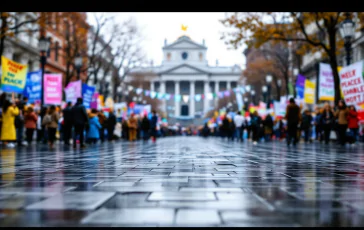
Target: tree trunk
278,90
333,63
2,34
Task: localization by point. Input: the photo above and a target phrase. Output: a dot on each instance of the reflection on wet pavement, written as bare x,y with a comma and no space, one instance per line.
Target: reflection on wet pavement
183,181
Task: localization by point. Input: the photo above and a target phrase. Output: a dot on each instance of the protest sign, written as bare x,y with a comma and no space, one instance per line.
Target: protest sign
352,85
53,89
73,91
13,76
300,86
33,87
309,93
326,90
87,93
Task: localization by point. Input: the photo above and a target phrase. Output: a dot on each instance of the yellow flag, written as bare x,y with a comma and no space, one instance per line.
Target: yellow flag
184,28
309,95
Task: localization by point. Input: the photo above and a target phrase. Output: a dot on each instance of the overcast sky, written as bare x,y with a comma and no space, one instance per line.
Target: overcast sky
156,27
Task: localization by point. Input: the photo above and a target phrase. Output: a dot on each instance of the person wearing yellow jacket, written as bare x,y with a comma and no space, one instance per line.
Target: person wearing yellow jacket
8,131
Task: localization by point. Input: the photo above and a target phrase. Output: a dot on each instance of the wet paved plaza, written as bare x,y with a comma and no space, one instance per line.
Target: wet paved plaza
183,181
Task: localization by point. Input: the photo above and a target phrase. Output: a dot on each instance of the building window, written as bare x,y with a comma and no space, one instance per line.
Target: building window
56,50
49,50
168,56
200,55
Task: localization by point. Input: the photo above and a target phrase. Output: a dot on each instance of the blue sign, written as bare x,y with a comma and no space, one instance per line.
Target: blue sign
87,93
33,87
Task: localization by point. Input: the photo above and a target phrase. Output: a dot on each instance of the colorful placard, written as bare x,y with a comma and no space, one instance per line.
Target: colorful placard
13,77
33,87
52,88
352,84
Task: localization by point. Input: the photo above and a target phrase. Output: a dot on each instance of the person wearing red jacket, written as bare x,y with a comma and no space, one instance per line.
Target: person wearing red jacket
353,122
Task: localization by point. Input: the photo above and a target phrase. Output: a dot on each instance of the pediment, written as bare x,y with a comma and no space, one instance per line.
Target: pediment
184,69
184,45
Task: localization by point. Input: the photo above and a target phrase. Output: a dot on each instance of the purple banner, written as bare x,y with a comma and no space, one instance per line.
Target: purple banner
300,85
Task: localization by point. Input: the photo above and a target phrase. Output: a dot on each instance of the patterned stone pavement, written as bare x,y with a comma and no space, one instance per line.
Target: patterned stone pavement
183,181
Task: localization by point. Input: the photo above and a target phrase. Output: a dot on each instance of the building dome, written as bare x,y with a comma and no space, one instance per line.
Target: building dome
184,37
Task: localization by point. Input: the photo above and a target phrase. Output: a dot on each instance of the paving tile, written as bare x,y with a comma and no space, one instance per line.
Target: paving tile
197,217
176,196
73,201
130,216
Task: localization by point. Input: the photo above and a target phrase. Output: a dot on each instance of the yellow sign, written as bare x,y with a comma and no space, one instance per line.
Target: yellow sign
309,95
341,92
13,76
101,100
184,28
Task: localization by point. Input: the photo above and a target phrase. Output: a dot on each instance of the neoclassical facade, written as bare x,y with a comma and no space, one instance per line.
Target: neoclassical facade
185,71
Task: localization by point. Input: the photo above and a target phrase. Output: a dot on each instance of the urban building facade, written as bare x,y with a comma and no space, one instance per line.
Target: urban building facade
185,71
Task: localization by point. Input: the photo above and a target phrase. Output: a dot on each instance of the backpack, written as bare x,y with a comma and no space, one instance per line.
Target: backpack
47,119
254,121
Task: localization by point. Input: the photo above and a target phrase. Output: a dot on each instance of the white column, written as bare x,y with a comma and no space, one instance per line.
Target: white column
177,105
163,91
206,102
36,65
216,91
228,85
192,99
152,86
24,58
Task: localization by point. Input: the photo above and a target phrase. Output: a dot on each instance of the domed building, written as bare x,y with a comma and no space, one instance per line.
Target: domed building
185,71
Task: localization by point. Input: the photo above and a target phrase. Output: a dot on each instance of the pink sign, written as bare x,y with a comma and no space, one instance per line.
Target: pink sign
93,104
52,88
73,91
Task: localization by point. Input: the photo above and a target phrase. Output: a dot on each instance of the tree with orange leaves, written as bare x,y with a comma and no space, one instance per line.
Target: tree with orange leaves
269,59
316,31
11,25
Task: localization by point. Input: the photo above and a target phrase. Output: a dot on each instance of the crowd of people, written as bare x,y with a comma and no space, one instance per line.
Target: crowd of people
341,120
74,123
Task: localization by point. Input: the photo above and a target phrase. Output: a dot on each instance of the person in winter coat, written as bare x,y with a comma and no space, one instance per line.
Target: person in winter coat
80,121
205,130
327,120
341,114
306,124
110,124
145,126
225,127
293,117
8,131
67,123
231,130
19,120
268,127
102,120
153,126
132,125
256,122
125,130
30,120
353,122
318,125
51,122
93,133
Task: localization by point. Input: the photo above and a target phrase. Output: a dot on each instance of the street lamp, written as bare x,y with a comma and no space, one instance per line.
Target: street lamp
43,47
264,90
269,79
78,65
347,31
253,96
248,88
